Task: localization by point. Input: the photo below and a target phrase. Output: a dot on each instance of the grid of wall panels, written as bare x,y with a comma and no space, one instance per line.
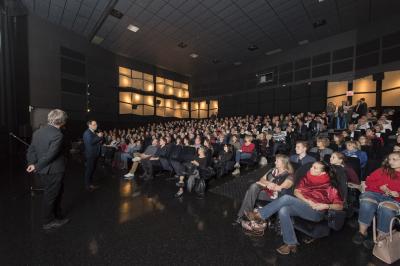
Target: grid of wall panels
336,92
172,88
365,88
391,89
129,78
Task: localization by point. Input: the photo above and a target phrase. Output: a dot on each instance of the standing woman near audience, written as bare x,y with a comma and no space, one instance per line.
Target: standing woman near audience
381,199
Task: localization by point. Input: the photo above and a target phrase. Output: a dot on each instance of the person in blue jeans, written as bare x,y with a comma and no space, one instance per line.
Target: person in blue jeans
316,193
381,199
244,153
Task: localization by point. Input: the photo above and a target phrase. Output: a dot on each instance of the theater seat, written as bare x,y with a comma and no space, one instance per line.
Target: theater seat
252,161
334,220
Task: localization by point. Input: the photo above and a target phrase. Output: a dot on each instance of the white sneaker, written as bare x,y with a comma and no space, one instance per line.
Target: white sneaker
128,175
236,172
237,165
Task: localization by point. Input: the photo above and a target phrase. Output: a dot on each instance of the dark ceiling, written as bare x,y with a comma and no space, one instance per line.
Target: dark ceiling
219,31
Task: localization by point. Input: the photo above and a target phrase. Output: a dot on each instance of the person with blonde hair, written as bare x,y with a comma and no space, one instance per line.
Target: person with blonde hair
276,182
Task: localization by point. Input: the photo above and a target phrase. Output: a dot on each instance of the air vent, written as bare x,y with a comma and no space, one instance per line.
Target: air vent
319,23
252,47
182,45
116,14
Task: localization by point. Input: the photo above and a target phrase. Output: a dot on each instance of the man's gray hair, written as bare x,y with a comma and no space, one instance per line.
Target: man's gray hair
57,117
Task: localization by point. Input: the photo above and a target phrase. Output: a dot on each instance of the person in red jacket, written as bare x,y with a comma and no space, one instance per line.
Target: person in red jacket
244,153
381,199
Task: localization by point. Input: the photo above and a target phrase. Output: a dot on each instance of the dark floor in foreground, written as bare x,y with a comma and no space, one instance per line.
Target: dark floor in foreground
125,223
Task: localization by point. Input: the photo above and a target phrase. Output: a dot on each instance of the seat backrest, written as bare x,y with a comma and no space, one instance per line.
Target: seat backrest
354,163
327,158
315,155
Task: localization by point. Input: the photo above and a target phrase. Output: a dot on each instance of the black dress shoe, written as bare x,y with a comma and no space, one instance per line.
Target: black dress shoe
55,224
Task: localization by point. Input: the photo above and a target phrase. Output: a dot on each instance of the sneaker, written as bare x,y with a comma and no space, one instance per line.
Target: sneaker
236,172
359,238
55,224
128,175
237,165
179,194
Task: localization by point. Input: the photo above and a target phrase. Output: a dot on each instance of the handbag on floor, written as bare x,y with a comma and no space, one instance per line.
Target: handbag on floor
388,248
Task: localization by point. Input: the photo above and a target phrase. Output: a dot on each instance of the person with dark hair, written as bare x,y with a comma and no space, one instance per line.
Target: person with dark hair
45,156
338,159
381,199
361,108
225,155
317,192
200,161
322,147
301,157
92,142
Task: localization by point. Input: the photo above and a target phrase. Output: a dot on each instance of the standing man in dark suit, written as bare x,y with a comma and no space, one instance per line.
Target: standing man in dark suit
92,142
361,107
45,156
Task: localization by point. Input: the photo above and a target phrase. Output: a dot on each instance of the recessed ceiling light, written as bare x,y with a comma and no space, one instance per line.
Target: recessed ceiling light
303,42
133,28
320,1
274,51
252,47
193,55
97,40
237,63
283,85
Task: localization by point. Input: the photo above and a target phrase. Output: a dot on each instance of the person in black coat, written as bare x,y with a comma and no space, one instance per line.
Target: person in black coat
92,143
45,157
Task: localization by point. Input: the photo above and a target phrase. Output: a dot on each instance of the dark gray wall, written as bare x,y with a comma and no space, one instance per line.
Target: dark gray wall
374,48
45,40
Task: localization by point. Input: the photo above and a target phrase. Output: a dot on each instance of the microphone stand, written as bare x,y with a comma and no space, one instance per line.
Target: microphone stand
32,189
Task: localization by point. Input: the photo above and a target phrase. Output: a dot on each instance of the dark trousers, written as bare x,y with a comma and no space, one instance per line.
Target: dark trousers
89,171
149,165
52,195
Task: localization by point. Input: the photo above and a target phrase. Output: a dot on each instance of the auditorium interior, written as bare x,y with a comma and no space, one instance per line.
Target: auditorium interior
230,132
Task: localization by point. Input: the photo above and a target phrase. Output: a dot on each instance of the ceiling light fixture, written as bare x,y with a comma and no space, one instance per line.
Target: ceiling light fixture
303,42
274,51
132,28
237,63
193,55
97,40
